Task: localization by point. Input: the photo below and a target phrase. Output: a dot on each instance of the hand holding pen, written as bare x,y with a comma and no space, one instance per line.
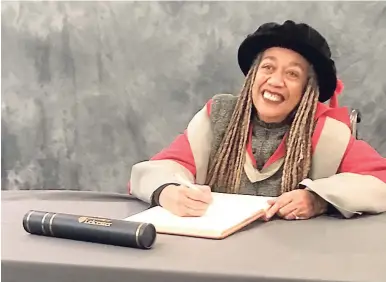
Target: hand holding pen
188,199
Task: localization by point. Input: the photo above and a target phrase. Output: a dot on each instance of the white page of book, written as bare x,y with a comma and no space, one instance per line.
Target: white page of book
226,211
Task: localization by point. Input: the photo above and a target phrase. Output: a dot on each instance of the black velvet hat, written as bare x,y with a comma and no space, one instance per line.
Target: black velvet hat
300,38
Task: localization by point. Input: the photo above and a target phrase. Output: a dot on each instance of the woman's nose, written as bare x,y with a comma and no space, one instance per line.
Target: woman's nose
276,80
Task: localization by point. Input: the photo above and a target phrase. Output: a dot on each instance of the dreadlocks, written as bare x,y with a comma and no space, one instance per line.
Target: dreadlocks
297,162
226,168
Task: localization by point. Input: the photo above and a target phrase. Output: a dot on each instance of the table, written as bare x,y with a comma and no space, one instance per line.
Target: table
324,248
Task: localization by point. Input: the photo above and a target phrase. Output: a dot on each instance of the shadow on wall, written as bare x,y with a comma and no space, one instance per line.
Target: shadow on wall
90,88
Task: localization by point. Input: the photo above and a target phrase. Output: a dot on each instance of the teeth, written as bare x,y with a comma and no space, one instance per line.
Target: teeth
272,97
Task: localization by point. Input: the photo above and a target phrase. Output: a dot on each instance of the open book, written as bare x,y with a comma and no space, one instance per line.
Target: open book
227,214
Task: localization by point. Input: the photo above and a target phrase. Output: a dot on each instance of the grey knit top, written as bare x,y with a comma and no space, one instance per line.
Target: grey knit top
265,140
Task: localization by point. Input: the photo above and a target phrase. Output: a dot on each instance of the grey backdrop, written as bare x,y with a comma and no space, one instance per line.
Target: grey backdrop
89,88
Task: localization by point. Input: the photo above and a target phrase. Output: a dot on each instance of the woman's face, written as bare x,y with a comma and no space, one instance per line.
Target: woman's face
279,83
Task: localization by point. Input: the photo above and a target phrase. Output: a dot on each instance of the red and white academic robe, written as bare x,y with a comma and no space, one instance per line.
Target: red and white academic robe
347,173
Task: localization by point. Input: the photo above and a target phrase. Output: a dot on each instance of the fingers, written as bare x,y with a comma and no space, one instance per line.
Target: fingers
292,215
190,202
183,201
193,204
201,194
288,211
208,193
204,188
271,202
191,212
196,201
264,217
298,207
279,203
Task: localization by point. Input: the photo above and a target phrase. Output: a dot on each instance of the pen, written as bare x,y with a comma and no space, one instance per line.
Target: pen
185,182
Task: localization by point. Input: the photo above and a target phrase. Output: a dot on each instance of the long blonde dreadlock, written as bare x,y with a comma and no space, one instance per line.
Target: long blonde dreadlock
297,162
226,168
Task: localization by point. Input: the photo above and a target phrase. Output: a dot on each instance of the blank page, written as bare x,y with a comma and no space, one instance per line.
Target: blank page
226,211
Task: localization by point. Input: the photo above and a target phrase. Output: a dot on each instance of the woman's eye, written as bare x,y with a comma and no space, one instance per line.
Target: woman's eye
267,67
293,74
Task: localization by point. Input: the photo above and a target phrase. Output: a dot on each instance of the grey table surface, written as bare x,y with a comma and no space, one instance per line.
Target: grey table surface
321,249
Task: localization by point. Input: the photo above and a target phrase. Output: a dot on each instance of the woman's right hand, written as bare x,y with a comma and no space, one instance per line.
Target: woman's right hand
184,201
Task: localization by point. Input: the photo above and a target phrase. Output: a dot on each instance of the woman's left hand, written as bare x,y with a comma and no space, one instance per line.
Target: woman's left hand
297,204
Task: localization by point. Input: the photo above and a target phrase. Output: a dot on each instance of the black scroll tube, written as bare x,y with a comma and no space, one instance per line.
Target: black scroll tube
90,229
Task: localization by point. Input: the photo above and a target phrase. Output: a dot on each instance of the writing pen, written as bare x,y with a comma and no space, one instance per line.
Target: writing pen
185,182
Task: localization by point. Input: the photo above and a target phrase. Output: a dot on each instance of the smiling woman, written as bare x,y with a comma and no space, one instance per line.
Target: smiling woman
280,81
276,138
